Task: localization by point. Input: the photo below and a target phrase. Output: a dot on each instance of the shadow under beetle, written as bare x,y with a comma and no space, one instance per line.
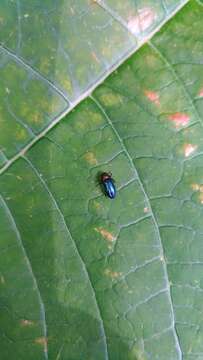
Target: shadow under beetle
108,184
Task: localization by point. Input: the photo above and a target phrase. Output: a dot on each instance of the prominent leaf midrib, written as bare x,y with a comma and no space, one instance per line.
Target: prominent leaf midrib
47,189
30,270
90,88
162,256
123,23
82,97
114,15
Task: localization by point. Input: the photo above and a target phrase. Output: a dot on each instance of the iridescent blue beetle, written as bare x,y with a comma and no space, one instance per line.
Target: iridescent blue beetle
108,185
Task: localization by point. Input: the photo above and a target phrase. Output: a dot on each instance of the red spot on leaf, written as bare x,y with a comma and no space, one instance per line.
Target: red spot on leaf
152,96
189,149
201,93
94,55
145,17
179,119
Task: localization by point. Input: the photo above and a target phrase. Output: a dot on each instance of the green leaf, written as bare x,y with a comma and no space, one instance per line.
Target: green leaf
53,53
72,43
86,277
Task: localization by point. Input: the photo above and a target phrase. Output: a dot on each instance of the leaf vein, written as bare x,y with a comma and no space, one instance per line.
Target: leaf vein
177,77
75,246
102,110
19,239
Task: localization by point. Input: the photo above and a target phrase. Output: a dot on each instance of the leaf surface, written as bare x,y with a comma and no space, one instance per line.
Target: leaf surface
112,279
53,53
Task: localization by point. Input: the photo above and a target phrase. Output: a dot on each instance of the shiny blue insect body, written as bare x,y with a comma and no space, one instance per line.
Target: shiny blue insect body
108,185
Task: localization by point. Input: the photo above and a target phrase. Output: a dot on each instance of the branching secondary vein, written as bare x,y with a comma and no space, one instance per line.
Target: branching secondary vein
102,110
20,242
75,246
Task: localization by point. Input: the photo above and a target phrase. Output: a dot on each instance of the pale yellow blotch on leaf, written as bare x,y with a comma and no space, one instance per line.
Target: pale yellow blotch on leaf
53,106
151,60
201,197
19,177
195,187
90,158
137,352
25,110
2,279
146,210
66,84
45,104
35,117
95,117
106,234
21,134
189,149
42,341
45,65
97,205
81,125
25,322
107,52
93,2
111,99
112,274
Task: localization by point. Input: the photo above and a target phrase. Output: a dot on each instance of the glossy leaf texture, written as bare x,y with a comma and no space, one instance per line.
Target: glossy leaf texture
86,277
53,52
